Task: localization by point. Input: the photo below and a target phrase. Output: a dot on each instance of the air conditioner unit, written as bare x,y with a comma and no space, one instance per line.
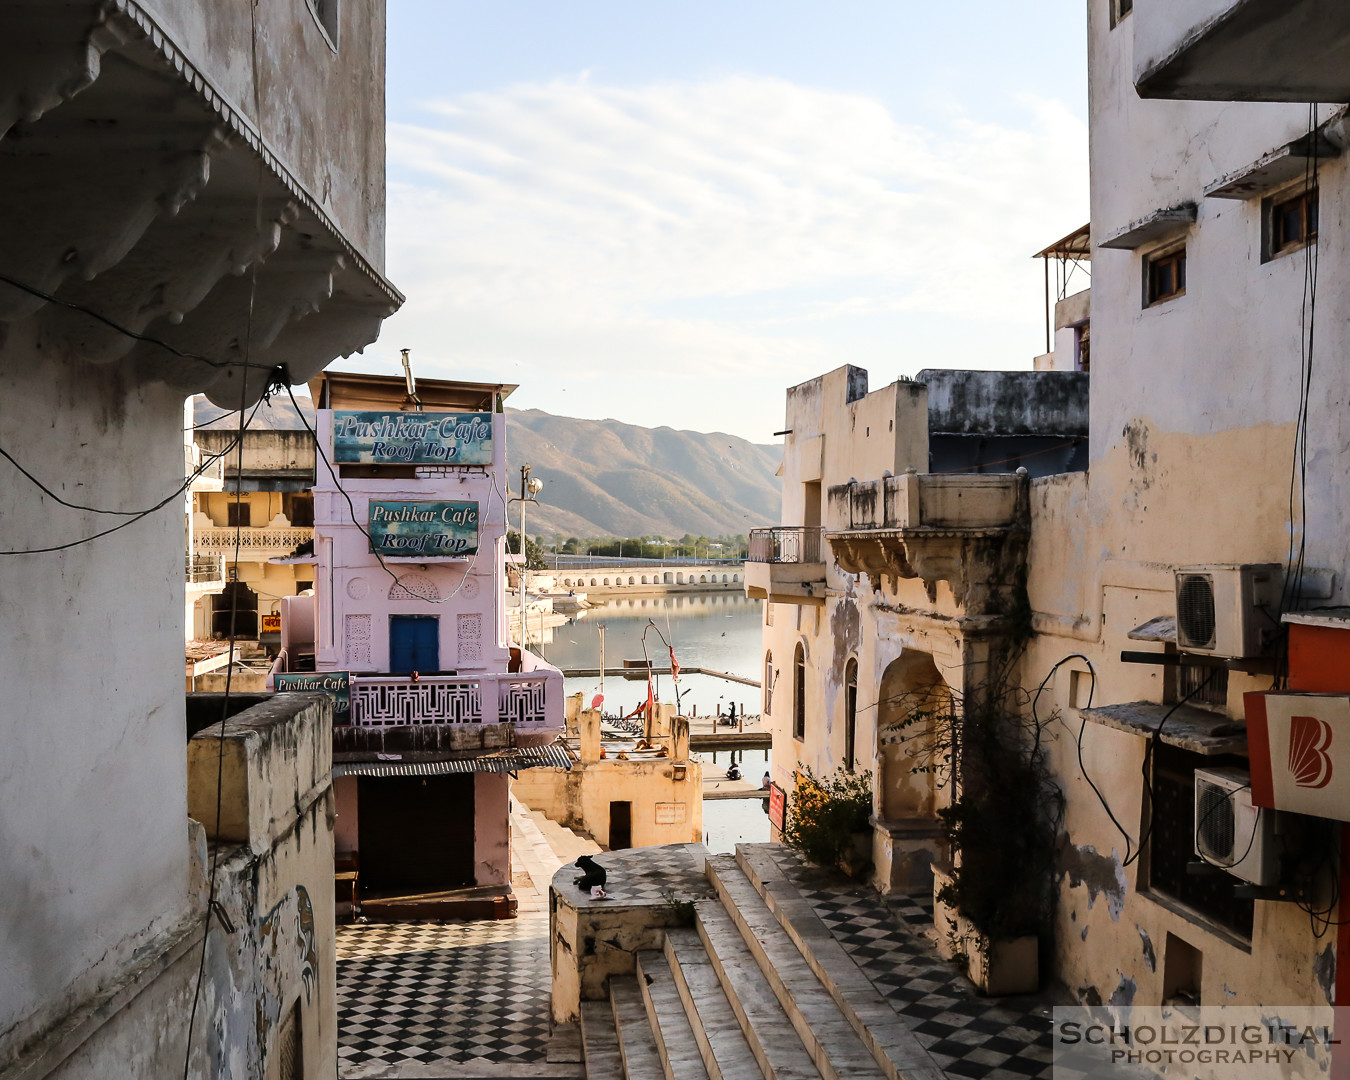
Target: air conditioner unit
1231,611
1231,833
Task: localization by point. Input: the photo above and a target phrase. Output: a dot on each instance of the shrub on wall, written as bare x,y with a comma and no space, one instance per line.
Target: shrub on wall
827,816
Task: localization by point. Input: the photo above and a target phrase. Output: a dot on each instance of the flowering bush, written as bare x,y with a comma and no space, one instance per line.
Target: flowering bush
827,814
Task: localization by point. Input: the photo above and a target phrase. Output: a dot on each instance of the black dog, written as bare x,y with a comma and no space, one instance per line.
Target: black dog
594,873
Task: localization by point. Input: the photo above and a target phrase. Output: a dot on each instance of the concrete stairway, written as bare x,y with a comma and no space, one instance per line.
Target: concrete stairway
567,844
757,989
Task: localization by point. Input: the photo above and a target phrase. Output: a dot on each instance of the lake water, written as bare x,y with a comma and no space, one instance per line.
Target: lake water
712,630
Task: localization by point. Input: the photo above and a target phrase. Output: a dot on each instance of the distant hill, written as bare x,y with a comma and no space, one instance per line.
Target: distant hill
605,478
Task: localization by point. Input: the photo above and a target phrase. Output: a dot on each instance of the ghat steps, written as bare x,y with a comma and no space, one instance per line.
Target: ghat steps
757,989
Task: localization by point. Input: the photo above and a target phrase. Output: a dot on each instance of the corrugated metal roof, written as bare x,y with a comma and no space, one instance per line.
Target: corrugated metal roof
554,755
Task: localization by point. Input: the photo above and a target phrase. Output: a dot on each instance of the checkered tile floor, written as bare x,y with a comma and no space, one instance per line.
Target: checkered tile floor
429,993
647,876
967,1035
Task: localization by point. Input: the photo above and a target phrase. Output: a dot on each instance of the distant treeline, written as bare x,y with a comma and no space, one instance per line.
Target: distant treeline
631,547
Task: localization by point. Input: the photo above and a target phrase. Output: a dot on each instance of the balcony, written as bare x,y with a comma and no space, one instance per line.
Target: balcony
454,712
969,531
204,572
255,544
786,565
1242,50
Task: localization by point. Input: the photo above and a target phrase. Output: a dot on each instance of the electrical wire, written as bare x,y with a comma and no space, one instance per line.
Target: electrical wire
207,461
148,339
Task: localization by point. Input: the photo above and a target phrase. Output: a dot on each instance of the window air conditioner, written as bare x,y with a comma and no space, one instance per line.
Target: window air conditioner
1231,833
1231,611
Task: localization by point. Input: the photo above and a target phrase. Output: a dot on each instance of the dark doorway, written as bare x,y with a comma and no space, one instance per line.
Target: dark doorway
415,832
414,643
620,825
244,601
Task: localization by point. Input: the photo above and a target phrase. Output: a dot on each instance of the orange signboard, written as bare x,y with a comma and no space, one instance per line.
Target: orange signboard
1300,752
271,624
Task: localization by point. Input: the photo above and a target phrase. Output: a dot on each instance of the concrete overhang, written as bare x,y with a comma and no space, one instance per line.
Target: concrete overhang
1242,50
136,196
1158,225
1284,165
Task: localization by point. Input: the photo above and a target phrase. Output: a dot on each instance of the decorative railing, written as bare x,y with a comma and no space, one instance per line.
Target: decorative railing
398,701
204,568
787,544
224,538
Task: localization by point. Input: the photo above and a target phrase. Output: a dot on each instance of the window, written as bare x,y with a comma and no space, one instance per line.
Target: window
1290,223
1206,687
850,714
1082,347
237,514
1171,843
299,509
1164,276
325,14
768,683
799,693
1119,9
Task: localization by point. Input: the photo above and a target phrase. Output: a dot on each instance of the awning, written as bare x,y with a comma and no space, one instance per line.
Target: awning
554,756
1163,628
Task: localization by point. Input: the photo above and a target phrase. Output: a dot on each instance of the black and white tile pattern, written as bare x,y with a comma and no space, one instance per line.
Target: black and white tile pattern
430,993
967,1035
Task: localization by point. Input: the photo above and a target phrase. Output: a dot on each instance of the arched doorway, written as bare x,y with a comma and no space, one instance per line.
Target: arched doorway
851,716
912,708
243,601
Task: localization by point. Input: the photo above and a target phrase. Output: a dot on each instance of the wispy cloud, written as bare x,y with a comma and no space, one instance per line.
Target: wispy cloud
616,248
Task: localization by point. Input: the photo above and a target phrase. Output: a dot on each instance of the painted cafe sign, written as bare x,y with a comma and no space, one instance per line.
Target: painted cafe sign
336,684
415,527
412,438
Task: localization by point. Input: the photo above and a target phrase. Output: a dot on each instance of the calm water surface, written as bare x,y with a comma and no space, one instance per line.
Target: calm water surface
712,630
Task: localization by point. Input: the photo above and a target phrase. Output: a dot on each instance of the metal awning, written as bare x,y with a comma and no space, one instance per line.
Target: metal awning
1189,728
554,756
1162,628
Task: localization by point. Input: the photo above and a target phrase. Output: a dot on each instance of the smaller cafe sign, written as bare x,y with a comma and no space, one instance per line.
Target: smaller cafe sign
777,806
411,438
336,684
419,528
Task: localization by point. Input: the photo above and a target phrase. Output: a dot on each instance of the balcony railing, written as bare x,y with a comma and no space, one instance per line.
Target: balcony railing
223,538
787,544
396,701
201,569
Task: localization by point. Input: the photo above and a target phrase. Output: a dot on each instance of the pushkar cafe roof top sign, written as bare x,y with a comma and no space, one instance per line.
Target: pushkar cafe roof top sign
412,438
421,528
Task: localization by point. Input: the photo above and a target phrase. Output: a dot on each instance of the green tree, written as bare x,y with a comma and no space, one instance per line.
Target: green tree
534,554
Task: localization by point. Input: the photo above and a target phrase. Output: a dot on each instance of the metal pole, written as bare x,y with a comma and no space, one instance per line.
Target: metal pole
524,559
602,665
1048,342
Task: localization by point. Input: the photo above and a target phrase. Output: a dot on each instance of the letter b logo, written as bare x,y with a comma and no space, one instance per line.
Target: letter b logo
1309,762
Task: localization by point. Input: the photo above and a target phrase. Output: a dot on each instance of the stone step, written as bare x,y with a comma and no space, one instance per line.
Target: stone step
829,1038
771,1035
721,1042
893,1044
675,1042
637,1043
600,1042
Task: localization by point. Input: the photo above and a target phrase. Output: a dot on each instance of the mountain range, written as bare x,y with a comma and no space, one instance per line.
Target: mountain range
606,478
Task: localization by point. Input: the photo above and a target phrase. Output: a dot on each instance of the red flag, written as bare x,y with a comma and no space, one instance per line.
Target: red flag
597,701
674,664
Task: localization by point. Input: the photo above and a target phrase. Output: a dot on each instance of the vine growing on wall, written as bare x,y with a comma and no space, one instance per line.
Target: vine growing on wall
1002,824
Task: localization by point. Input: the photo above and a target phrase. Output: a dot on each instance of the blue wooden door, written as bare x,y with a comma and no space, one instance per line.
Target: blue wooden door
414,643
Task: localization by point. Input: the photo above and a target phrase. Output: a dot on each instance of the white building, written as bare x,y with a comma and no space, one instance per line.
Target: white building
169,167
410,577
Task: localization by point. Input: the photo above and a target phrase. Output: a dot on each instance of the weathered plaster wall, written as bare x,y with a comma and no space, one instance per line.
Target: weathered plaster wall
321,111
93,863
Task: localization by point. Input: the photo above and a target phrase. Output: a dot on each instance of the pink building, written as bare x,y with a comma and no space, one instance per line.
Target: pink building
410,553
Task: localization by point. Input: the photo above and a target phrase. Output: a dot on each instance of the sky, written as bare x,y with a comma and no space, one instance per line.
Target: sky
667,213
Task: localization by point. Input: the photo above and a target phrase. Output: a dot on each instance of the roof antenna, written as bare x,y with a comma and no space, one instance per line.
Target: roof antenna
412,401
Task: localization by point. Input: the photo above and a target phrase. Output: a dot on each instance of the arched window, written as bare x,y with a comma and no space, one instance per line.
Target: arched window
630,580
799,693
850,715
768,682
